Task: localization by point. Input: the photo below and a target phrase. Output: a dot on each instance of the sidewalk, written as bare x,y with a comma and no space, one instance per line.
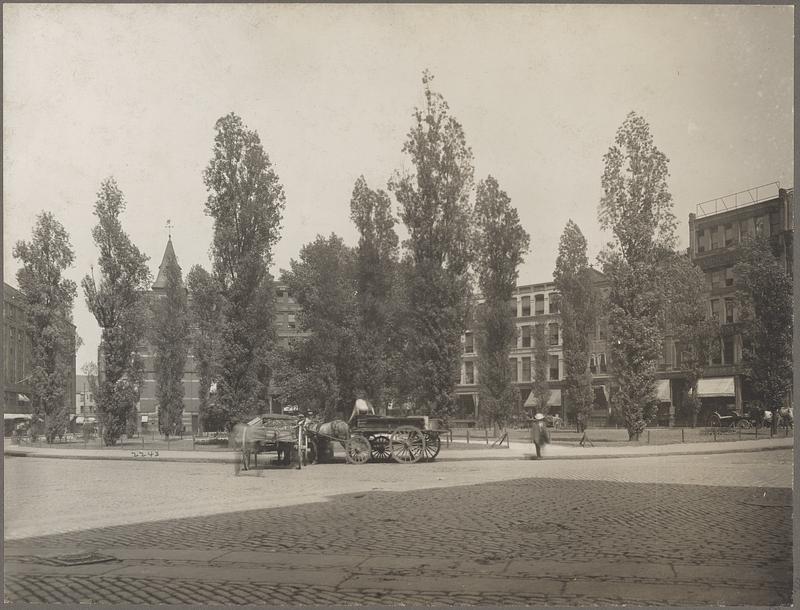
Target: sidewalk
516,450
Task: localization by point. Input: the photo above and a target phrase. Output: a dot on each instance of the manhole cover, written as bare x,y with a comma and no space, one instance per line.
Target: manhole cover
78,559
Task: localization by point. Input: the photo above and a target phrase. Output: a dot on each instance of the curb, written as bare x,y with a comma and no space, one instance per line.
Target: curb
525,456
609,456
121,458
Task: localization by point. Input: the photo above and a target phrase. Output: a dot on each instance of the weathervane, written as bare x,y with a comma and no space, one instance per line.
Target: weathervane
169,226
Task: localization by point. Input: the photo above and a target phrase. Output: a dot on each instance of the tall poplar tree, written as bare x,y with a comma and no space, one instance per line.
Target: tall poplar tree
435,208
376,266
578,316
118,303
637,207
246,202
169,336
500,243
49,298
205,308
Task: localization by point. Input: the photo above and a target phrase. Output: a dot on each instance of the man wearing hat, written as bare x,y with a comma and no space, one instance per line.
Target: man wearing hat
539,434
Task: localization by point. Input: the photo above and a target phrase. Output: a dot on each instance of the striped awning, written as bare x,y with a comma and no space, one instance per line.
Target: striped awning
554,400
716,386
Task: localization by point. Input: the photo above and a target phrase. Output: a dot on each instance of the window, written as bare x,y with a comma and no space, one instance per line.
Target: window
603,367
716,309
555,302
281,293
553,328
526,369
469,372
469,343
717,279
729,306
526,336
729,235
526,306
592,364
553,358
291,320
512,363
701,240
603,330
715,238
729,276
716,352
761,227
727,349
539,304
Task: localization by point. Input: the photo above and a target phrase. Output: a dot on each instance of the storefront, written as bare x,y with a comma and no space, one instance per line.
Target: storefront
716,394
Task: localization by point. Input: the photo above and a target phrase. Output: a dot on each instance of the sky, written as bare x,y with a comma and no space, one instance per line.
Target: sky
133,91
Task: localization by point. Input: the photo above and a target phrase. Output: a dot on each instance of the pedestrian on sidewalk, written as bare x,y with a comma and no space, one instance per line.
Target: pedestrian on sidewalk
539,434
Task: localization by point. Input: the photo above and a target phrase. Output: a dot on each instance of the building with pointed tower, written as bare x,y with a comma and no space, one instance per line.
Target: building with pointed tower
148,403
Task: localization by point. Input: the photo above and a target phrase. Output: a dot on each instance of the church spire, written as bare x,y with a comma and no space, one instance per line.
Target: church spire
169,258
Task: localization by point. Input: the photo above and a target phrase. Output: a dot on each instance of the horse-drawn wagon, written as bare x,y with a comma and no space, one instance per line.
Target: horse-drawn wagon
404,439
369,438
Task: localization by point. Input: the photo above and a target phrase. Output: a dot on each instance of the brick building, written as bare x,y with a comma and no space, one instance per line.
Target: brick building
715,232
535,304
286,327
16,369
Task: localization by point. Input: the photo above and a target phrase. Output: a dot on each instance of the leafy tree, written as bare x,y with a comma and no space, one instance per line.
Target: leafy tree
169,336
205,308
637,207
435,208
578,303
118,303
765,301
539,387
688,322
49,298
323,369
500,243
246,202
376,266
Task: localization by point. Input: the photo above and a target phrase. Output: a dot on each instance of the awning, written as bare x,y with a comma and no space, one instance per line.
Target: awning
716,386
16,416
662,390
554,400
145,418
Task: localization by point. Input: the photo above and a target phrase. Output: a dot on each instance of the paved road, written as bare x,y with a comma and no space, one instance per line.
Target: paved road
681,530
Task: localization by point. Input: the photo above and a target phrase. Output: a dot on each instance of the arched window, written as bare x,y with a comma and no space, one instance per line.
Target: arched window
592,364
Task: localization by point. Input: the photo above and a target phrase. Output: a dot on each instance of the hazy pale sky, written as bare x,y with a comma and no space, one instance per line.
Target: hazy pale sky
134,91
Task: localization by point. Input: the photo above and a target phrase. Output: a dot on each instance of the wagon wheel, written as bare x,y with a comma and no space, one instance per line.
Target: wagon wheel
407,444
357,450
714,421
380,447
744,424
432,445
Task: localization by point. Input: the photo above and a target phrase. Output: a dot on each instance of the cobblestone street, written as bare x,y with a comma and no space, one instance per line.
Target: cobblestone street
571,533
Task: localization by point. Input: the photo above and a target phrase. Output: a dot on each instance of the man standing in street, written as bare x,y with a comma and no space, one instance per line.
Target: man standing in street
539,434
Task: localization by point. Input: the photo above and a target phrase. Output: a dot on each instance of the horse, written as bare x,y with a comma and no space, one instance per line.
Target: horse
320,436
